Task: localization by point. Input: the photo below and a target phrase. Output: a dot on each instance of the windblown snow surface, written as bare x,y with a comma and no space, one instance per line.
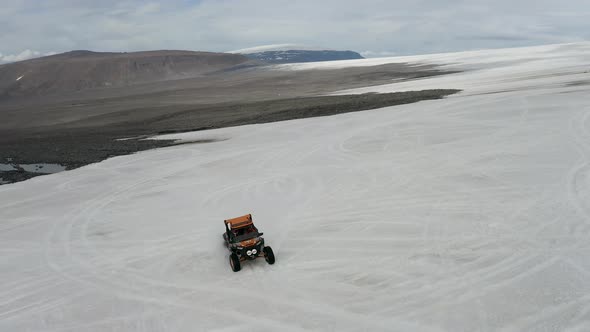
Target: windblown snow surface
470,213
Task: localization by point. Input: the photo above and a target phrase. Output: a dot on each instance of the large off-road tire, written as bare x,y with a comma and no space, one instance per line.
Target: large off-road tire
234,262
269,256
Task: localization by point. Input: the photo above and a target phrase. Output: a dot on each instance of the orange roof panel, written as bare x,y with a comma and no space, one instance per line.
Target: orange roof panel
239,222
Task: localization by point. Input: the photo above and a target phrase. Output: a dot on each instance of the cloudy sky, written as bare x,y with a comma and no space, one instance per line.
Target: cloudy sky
30,28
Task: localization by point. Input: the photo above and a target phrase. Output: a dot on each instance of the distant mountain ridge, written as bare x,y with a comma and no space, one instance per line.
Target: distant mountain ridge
295,56
81,70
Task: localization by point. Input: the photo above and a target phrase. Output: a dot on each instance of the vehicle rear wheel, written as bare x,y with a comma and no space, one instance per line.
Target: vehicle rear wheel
234,262
269,256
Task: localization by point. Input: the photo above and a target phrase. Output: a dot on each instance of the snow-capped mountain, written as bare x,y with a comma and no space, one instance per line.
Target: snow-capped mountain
293,53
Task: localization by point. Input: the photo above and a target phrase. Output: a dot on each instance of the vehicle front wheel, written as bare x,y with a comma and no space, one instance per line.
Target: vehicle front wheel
269,256
234,262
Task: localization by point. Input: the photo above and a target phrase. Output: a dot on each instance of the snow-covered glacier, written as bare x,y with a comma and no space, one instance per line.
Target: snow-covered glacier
470,213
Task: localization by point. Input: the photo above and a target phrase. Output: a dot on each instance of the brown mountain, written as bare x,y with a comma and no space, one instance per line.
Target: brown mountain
80,70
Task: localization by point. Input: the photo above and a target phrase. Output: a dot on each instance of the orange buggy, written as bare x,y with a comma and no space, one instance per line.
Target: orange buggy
245,242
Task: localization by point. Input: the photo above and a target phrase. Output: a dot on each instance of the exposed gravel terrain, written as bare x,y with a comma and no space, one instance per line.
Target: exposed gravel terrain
85,126
75,147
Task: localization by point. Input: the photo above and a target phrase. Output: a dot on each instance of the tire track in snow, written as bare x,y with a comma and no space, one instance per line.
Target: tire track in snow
578,177
71,270
91,275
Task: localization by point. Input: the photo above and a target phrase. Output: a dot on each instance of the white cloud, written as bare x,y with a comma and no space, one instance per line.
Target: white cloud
378,54
148,8
278,47
396,26
24,55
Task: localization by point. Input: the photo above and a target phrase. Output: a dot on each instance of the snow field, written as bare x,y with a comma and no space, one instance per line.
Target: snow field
470,213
